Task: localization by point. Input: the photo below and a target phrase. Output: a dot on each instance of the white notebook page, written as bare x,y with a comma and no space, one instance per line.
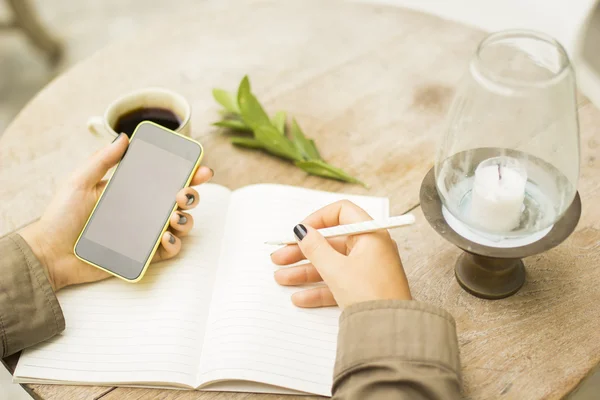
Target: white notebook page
254,332
151,331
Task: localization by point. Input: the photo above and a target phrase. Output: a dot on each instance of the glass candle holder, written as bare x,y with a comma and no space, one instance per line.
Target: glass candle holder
508,164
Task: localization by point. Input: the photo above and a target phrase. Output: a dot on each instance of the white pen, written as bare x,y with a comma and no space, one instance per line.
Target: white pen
356,229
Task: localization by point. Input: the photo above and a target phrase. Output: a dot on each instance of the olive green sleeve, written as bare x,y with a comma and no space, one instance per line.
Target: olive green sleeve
394,349
29,310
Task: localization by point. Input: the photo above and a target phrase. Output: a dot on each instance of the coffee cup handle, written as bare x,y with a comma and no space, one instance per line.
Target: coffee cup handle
96,126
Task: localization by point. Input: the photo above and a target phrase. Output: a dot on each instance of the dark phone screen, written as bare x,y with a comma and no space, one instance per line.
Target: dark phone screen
138,201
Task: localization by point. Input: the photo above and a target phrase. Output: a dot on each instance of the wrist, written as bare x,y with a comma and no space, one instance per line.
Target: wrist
402,293
35,239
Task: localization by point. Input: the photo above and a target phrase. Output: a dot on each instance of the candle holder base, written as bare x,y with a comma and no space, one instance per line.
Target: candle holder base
492,272
489,278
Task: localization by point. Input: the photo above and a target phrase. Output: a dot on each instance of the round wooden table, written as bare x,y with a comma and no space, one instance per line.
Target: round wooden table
372,85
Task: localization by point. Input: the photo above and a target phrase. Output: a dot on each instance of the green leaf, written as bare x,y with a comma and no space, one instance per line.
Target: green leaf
275,143
230,115
227,100
315,152
234,124
252,112
243,112
302,144
321,168
255,116
246,142
278,121
243,87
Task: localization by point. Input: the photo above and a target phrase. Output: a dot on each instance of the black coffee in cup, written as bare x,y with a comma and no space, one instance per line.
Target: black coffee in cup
127,123
160,106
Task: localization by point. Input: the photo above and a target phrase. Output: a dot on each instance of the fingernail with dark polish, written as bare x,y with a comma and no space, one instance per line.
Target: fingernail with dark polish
171,238
182,219
190,199
300,232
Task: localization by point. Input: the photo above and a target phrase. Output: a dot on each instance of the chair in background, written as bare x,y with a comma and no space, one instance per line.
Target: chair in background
26,20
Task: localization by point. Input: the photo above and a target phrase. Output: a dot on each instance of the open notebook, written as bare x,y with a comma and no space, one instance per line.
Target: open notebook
213,318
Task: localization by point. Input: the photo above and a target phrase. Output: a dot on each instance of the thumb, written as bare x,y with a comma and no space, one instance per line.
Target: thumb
104,159
316,248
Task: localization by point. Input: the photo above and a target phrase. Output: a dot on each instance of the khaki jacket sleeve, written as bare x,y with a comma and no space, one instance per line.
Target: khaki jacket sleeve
29,310
395,349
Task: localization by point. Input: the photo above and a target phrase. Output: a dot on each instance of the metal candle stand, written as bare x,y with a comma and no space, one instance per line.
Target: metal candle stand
491,272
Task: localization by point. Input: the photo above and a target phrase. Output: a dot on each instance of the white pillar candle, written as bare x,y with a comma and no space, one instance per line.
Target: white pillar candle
498,194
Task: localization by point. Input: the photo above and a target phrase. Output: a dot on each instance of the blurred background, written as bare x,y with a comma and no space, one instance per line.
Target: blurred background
82,27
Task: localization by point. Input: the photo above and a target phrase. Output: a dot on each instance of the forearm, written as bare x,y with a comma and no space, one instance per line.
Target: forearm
395,349
29,310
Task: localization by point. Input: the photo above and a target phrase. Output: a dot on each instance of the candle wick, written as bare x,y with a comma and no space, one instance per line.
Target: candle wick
499,172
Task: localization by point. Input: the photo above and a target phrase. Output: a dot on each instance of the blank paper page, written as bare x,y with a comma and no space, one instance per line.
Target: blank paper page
254,332
151,331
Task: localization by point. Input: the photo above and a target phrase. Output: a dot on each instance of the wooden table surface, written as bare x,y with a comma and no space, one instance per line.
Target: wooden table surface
372,85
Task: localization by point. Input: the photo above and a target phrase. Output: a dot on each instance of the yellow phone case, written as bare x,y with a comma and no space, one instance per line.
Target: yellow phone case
164,229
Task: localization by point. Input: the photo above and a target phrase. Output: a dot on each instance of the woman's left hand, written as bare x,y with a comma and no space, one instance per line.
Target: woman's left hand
53,236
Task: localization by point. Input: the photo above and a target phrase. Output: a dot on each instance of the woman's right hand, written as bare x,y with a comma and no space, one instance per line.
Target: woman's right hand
354,268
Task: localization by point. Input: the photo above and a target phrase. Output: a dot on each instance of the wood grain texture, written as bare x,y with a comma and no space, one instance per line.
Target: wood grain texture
539,343
366,86
62,392
371,84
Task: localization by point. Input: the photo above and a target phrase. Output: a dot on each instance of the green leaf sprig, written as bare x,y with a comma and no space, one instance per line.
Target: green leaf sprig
242,113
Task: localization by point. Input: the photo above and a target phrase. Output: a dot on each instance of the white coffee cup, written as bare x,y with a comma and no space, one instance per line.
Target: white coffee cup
152,97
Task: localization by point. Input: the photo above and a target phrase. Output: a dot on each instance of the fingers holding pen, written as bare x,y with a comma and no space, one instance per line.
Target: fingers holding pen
301,275
312,298
298,275
292,254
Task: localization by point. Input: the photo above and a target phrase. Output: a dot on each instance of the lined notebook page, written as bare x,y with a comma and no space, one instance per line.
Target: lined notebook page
147,332
254,332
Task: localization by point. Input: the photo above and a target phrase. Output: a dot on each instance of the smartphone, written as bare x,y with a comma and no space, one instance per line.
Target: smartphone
125,227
